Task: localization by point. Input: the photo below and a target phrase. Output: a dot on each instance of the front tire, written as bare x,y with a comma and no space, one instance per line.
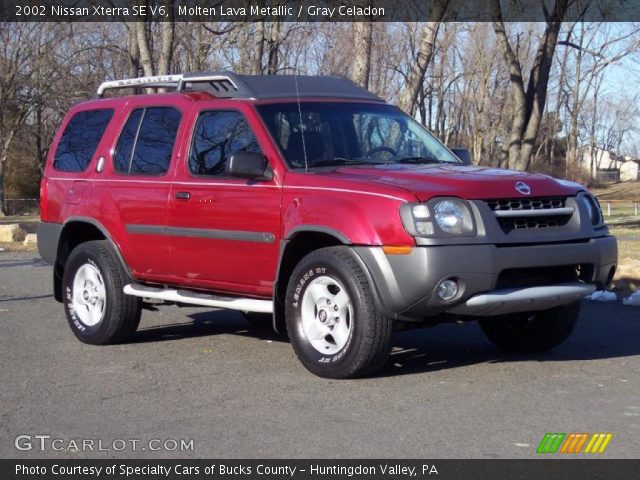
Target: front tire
333,324
97,309
531,332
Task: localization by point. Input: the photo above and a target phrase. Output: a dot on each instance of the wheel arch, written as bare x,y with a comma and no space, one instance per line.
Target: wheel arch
300,242
78,230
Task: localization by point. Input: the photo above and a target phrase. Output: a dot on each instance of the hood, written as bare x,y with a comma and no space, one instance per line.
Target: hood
469,182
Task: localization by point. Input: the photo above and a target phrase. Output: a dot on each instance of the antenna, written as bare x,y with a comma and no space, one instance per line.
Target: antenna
302,133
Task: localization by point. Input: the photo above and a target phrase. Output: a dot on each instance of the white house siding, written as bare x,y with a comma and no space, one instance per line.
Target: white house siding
630,171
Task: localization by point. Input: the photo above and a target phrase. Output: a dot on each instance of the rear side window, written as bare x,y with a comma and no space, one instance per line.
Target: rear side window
146,142
219,134
80,140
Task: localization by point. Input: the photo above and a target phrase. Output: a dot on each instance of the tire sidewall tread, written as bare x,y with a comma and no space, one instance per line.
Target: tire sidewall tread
122,312
369,343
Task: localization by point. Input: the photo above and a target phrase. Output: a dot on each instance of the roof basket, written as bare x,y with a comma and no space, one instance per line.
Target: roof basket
231,85
221,85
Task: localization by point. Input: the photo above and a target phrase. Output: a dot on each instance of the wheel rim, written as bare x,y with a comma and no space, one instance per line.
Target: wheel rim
327,315
89,295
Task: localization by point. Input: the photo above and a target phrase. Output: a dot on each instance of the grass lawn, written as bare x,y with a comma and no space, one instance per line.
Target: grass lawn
623,221
628,242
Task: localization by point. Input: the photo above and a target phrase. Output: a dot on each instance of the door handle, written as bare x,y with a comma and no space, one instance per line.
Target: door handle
183,195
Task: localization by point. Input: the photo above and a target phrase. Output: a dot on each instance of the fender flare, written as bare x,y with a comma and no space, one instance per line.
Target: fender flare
58,266
279,325
105,233
320,229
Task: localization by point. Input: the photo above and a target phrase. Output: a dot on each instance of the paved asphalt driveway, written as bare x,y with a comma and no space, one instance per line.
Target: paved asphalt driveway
202,375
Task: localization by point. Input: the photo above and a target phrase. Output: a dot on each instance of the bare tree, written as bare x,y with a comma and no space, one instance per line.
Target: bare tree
142,34
273,48
363,32
168,35
590,50
155,61
258,48
529,102
480,85
409,95
21,44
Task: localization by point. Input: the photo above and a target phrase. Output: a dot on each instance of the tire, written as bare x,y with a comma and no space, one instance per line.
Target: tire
97,309
358,343
258,320
532,332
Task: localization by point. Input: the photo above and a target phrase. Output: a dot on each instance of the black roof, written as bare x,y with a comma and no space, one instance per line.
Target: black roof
231,85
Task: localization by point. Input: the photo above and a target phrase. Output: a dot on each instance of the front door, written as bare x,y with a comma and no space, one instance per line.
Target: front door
224,231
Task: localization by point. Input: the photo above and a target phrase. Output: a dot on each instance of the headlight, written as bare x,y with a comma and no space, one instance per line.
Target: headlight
449,216
438,217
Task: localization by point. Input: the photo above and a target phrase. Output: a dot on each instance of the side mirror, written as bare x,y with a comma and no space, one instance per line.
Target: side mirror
463,154
251,165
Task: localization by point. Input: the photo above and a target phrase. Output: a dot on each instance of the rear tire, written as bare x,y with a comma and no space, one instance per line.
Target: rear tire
97,309
333,324
532,332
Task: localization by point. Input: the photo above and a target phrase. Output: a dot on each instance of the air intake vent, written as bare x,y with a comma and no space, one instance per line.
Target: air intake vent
527,203
531,213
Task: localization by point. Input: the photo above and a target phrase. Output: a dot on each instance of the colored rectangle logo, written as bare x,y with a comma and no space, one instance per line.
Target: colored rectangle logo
574,443
550,443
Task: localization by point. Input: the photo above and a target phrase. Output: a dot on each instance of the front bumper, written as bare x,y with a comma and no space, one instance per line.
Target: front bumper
405,284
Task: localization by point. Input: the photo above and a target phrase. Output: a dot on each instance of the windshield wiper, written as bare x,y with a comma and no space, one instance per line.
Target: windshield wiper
418,160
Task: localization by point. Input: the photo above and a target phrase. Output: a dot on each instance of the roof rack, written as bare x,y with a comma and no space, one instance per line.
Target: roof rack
223,83
231,85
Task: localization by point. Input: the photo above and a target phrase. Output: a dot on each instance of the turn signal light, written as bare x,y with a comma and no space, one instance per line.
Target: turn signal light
397,250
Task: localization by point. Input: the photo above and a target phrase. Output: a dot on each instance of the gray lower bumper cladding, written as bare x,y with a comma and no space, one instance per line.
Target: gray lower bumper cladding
405,284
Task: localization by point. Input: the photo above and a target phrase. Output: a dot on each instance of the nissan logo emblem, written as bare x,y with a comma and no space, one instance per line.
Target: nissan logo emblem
523,188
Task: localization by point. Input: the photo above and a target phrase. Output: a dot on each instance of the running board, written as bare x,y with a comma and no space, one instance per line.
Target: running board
528,299
194,298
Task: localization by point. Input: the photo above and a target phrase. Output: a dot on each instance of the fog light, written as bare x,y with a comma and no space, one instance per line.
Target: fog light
447,289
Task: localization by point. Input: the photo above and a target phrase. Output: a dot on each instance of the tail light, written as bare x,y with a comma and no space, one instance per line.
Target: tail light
43,199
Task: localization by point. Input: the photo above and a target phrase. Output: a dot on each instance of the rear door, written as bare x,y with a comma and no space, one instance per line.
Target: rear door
135,186
224,231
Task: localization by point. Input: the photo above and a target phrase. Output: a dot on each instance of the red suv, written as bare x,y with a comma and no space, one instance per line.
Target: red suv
311,203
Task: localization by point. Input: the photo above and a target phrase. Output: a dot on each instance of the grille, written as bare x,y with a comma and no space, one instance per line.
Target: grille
528,205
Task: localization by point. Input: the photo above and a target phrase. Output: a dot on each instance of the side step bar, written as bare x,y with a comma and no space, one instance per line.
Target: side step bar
529,299
194,298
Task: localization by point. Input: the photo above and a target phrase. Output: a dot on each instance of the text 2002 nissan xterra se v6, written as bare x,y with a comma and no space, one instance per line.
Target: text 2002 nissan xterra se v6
311,203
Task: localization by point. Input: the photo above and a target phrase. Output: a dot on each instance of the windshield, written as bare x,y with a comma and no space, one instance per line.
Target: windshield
323,134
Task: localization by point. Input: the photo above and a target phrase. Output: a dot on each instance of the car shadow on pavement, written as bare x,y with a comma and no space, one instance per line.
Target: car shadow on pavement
604,330
32,262
217,322
22,299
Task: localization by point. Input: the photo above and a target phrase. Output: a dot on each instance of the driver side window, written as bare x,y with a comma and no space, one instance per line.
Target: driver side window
218,135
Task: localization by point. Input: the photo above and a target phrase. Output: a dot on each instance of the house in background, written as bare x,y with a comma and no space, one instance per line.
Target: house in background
630,170
605,166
